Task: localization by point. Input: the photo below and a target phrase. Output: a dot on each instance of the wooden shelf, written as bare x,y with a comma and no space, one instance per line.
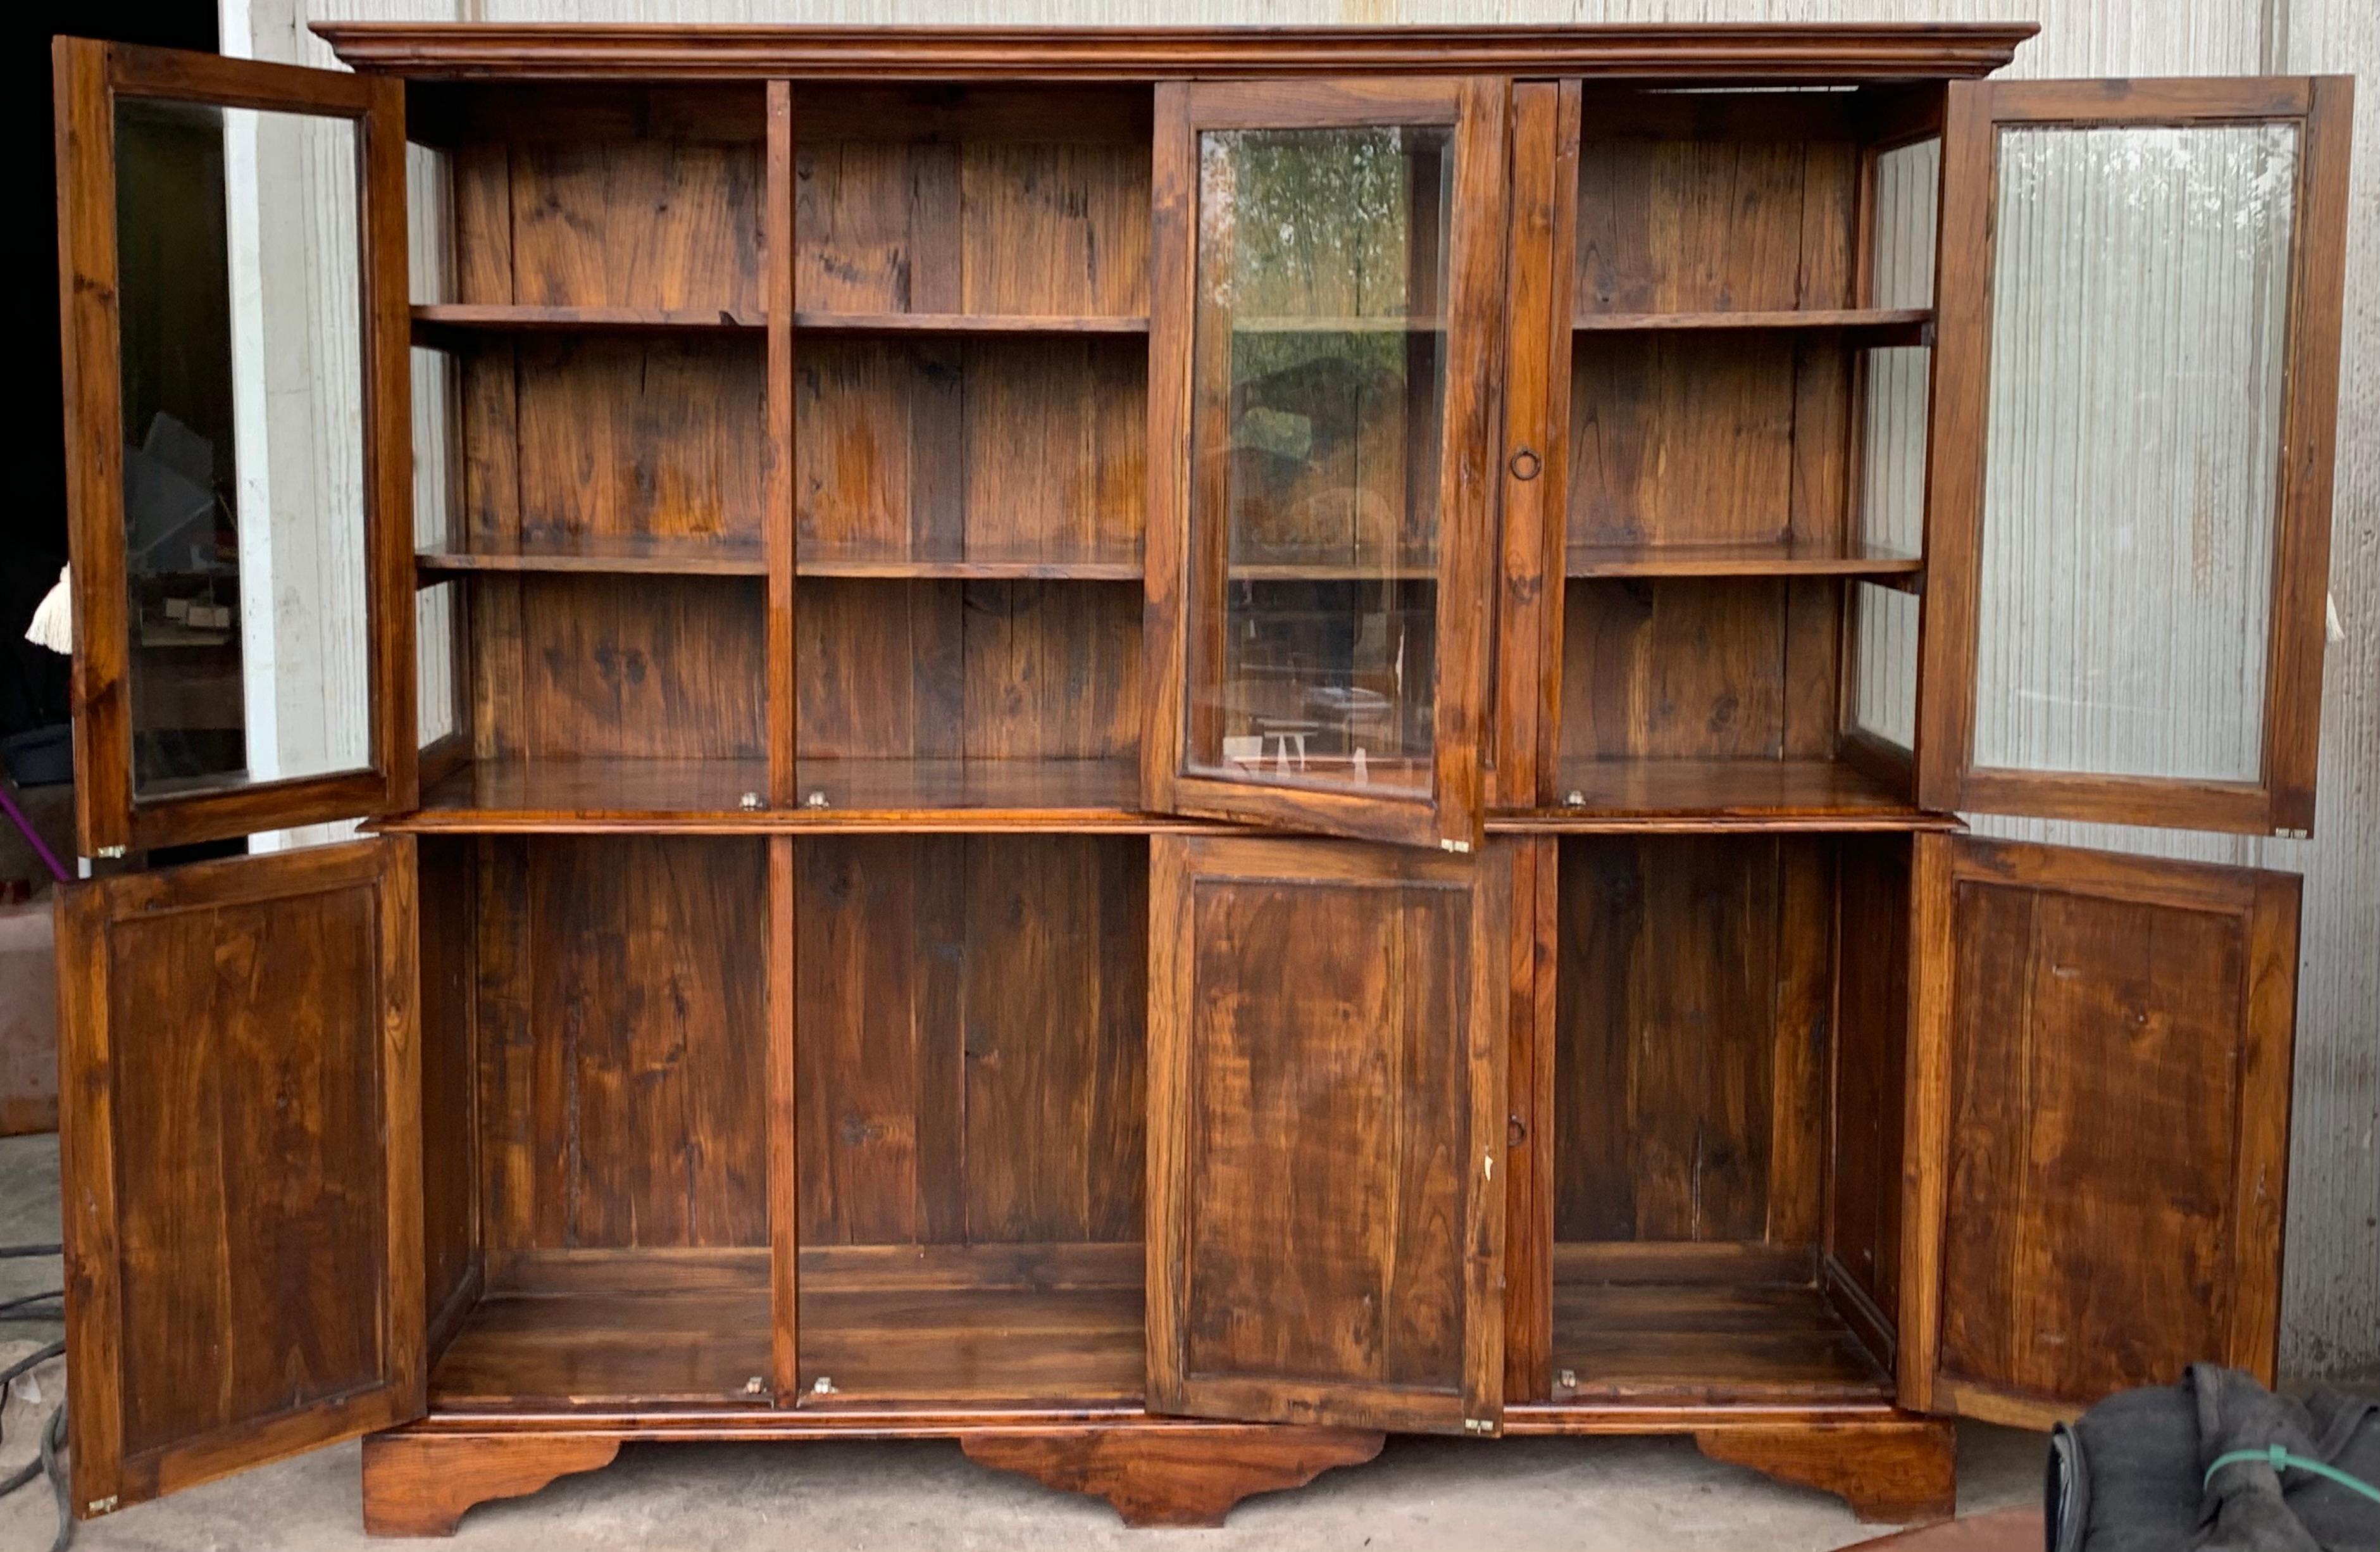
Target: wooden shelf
922,1325
1784,559
1117,570
617,558
707,796
1764,794
1702,1323
968,323
613,1328
1874,325
972,1325
573,795
445,322
432,566
975,794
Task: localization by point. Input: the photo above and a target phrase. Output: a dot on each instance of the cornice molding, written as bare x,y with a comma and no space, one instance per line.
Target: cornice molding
1707,53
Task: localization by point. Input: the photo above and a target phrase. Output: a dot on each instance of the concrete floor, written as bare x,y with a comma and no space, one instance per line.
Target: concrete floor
1517,1496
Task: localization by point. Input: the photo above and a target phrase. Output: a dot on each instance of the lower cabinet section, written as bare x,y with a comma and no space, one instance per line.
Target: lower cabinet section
994,1036
1729,1029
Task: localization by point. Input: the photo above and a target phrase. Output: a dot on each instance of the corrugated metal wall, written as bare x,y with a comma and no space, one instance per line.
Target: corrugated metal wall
2332,1308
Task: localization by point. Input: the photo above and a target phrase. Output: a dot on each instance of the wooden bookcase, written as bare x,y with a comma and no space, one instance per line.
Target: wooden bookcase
1165,749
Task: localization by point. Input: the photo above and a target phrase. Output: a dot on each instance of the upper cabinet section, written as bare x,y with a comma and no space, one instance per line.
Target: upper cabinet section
235,429
2129,519
1326,306
1737,296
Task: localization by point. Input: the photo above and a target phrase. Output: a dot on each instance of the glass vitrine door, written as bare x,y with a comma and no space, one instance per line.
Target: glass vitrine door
2136,381
232,279
1319,525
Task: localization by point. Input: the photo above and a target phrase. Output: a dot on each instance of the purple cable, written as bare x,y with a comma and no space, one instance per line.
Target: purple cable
17,815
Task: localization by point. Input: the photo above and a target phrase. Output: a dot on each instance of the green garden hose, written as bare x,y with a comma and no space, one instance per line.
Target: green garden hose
2281,1459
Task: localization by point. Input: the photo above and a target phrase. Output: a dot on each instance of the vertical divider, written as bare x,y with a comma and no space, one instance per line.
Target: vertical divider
777,515
782,1146
780,1117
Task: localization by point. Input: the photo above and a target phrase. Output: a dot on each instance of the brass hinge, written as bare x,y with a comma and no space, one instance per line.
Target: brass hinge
102,1506
1477,1425
111,854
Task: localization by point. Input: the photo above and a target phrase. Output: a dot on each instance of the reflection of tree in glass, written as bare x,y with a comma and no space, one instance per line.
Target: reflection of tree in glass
1307,223
1306,250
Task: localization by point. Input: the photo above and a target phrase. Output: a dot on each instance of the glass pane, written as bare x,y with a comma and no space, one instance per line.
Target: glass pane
2139,319
241,336
439,710
1320,381
1892,479
1884,687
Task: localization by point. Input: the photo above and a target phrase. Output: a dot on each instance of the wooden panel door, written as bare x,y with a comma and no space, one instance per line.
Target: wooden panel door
239,478
2099,1124
1326,306
2135,390
1327,1044
240,1132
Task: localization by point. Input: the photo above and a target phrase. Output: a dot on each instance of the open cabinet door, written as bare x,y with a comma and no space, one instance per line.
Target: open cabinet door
239,1138
2098,1125
2135,385
1325,296
232,291
1326,1207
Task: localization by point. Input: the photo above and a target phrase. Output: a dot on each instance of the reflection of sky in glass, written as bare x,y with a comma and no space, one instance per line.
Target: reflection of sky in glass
2138,315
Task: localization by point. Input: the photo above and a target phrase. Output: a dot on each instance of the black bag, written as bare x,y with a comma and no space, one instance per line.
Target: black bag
2189,1468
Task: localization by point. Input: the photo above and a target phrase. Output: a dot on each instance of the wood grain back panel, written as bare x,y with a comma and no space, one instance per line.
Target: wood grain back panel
2113,1123
622,1042
1704,437
242,1121
1328,1050
642,668
1709,437
1723,217
589,443
984,201
1692,1002
605,197
1045,670
968,1026
1015,449
1685,669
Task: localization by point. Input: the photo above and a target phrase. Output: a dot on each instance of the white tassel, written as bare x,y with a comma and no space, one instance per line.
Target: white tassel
52,624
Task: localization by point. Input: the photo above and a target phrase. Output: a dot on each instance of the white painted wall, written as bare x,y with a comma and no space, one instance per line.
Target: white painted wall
2331,1322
